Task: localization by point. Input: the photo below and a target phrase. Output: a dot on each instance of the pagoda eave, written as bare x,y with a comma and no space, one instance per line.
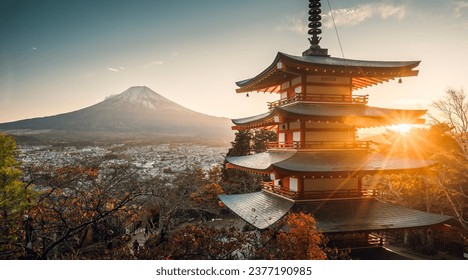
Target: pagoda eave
363,73
327,163
358,115
263,210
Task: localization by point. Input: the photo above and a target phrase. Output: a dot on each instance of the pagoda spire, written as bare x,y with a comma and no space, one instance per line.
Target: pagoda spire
315,22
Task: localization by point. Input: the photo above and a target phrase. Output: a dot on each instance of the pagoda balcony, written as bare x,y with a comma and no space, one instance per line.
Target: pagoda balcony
321,98
269,186
320,145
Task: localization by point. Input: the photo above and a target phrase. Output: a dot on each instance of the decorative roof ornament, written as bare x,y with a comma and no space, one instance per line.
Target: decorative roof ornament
315,22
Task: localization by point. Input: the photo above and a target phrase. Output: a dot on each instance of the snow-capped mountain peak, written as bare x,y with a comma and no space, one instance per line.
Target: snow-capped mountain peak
136,111
144,97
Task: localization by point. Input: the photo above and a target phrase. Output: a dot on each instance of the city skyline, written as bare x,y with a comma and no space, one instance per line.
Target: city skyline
59,57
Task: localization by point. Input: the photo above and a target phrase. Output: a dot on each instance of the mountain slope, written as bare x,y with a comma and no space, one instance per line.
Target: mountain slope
136,111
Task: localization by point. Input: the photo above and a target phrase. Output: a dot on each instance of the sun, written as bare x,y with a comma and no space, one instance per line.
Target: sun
402,129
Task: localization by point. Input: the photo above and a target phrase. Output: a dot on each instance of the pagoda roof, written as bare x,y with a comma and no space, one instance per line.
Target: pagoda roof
359,115
364,73
259,208
367,215
327,162
263,210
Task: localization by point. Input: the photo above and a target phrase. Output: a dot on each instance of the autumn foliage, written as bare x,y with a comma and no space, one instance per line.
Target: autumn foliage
81,210
295,238
301,240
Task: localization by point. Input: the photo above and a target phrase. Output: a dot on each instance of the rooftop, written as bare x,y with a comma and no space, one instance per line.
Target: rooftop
364,73
327,162
359,115
263,210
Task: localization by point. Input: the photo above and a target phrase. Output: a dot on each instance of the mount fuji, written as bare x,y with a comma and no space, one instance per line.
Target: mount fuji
134,113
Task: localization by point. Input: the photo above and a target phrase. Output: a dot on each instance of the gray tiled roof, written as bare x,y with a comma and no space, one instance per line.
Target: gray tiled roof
259,209
327,161
260,161
332,61
367,215
262,210
401,68
336,111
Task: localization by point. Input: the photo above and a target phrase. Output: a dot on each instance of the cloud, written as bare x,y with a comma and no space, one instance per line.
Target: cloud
347,16
153,63
459,6
295,24
359,14
118,69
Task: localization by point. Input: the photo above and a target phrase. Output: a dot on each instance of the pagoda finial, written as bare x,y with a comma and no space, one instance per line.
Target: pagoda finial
315,22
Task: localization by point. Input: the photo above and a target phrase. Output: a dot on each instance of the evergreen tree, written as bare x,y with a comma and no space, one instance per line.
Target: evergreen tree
241,145
14,201
260,139
246,142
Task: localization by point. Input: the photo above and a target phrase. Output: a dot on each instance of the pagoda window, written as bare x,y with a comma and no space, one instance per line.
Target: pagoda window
293,184
298,90
284,95
296,136
287,96
285,85
278,182
281,137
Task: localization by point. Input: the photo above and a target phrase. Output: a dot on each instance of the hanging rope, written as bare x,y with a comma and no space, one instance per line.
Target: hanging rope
336,29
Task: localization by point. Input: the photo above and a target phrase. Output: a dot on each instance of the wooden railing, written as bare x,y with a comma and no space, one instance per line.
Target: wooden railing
322,194
320,145
322,98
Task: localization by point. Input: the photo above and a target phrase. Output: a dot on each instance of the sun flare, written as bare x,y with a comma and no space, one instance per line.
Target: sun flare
403,129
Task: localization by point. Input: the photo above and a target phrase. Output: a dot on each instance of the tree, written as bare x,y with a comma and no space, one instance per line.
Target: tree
452,110
83,209
443,189
15,200
260,139
420,143
452,179
241,145
205,197
246,142
251,141
191,194
296,237
199,242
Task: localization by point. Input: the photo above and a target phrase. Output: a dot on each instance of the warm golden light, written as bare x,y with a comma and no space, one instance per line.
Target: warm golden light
403,129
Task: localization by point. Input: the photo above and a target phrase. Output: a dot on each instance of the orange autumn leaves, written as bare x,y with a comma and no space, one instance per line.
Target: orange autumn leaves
295,238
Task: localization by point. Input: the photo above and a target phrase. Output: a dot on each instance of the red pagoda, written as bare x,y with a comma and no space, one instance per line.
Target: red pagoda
317,165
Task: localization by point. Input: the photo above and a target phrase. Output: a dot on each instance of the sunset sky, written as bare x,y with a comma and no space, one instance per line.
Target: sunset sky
58,56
